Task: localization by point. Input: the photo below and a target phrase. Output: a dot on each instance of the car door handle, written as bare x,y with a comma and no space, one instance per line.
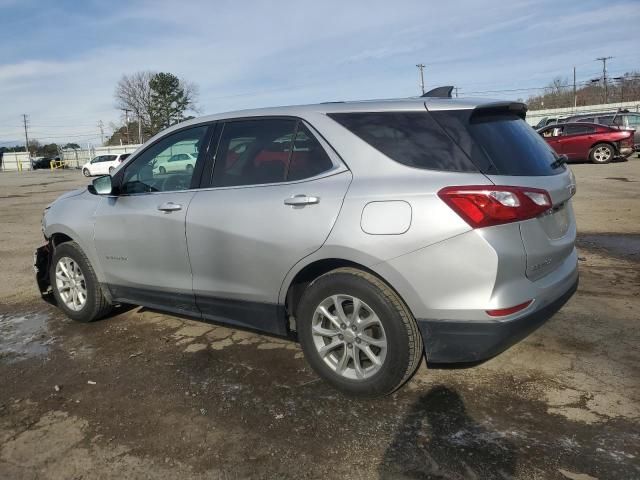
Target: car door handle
169,207
301,200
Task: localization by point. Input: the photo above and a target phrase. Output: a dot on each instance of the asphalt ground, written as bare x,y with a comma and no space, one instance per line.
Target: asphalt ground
148,395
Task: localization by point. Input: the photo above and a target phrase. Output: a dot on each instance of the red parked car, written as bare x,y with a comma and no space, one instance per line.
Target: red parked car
588,141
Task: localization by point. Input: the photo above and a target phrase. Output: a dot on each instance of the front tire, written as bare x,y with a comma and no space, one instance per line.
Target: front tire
601,153
86,172
162,170
111,169
357,334
75,285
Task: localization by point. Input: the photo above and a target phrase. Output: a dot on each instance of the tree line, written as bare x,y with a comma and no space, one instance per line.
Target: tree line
559,93
38,149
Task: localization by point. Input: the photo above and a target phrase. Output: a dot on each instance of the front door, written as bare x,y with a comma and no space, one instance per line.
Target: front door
272,201
140,233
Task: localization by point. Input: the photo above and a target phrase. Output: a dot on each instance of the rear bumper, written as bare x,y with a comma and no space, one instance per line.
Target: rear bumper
626,151
468,341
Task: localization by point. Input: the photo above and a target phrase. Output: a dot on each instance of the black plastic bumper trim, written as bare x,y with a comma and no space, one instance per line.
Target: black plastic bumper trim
453,341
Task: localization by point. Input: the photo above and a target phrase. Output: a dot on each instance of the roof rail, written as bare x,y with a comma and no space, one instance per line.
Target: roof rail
439,92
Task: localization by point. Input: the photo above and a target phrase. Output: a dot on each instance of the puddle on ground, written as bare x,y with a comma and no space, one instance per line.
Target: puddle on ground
23,336
620,245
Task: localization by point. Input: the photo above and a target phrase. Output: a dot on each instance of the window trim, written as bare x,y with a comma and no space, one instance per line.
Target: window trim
338,165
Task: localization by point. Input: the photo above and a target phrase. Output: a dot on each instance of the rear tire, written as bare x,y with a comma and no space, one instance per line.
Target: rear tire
370,354
75,285
86,172
601,153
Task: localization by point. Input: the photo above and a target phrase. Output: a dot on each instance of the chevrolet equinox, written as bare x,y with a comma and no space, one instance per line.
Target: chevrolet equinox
375,233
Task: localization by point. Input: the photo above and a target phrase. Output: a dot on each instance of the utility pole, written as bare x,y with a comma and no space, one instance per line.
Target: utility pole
25,120
604,75
126,122
575,97
421,68
101,127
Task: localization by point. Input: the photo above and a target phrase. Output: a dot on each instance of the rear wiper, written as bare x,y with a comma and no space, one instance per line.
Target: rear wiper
561,160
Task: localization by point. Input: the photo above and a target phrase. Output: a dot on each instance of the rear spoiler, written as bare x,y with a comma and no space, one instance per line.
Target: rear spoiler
500,108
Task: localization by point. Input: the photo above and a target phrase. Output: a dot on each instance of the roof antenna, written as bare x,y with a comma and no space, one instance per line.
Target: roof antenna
439,92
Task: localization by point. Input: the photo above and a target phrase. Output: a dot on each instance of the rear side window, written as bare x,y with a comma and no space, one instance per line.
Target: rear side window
308,157
262,151
253,152
499,144
578,129
410,138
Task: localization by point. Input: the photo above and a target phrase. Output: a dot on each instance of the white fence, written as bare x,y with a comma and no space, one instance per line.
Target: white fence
534,116
19,161
14,161
77,158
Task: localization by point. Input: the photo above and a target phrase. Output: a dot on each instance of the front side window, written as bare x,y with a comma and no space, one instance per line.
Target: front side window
152,171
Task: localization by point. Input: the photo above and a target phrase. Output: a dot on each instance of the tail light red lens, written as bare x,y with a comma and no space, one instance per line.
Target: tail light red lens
488,205
502,312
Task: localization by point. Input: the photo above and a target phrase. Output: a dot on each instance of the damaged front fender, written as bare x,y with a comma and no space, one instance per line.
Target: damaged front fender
41,265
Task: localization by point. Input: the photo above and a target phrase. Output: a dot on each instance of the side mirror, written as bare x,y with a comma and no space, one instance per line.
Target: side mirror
101,185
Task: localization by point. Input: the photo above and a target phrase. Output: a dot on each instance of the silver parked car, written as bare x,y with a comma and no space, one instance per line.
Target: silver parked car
375,233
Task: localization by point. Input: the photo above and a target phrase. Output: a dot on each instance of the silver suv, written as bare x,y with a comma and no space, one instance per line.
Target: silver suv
373,232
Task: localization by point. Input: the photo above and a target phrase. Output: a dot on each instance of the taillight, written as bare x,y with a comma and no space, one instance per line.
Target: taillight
487,205
501,312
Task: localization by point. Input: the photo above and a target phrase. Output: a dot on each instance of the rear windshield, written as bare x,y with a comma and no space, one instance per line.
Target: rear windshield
455,140
499,144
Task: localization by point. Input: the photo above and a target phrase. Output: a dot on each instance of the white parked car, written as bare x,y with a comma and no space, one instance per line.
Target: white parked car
103,164
180,162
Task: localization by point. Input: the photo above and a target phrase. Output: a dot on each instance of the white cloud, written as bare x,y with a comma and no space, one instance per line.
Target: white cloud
264,53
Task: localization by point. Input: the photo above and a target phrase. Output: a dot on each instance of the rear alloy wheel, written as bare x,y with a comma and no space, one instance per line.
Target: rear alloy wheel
86,172
75,285
357,333
601,153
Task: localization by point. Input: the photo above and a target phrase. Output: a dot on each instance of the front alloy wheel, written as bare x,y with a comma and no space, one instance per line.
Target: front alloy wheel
349,337
71,284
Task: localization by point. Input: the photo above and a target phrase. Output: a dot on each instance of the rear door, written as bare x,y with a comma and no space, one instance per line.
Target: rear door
510,152
271,201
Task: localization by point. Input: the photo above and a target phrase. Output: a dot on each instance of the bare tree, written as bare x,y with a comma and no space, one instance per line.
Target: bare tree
134,93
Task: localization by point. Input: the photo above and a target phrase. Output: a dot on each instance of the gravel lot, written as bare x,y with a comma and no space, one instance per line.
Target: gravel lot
148,395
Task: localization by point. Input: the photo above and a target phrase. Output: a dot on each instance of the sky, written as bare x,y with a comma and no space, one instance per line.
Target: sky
61,60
